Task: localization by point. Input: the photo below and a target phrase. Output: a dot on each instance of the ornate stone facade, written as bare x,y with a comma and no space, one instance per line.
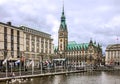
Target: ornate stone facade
83,53
112,54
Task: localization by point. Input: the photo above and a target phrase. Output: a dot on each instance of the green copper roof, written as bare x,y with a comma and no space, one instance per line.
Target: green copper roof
72,45
63,25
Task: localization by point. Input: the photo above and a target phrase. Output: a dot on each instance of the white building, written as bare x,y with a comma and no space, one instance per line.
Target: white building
11,41
17,42
113,54
37,45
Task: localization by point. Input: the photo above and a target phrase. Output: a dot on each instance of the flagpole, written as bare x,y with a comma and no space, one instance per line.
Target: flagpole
24,61
41,67
11,63
32,67
20,66
6,69
19,69
6,64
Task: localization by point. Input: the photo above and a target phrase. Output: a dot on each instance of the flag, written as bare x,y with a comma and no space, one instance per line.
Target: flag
30,63
18,61
46,62
4,61
22,59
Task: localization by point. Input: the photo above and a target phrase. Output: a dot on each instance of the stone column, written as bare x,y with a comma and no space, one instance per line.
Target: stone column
40,44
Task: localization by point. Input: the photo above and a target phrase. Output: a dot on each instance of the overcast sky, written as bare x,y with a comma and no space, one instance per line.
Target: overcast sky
86,19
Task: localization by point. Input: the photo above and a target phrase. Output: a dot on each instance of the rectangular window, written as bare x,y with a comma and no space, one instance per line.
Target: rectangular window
27,49
27,36
12,42
5,42
33,49
18,44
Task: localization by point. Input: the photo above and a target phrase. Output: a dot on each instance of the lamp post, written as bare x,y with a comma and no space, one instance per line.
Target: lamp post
6,69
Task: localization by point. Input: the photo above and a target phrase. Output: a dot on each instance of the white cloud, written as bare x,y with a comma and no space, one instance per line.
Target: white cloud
114,22
52,20
3,1
103,8
97,19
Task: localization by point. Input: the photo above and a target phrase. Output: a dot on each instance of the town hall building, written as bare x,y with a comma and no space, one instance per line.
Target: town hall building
73,52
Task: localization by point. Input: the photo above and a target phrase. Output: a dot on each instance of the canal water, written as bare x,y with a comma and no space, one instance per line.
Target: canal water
75,78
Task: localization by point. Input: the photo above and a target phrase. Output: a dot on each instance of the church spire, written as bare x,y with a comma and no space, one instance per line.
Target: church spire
63,26
62,33
63,9
63,16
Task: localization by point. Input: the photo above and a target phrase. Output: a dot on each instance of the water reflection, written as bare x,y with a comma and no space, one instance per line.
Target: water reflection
78,78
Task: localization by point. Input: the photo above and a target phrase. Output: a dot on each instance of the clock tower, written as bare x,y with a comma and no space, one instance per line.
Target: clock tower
62,34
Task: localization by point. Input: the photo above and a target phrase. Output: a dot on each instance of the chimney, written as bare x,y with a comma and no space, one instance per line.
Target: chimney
9,23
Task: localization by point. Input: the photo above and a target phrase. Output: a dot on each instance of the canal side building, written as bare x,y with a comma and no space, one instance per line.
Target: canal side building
24,43
79,53
38,46
112,54
11,42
